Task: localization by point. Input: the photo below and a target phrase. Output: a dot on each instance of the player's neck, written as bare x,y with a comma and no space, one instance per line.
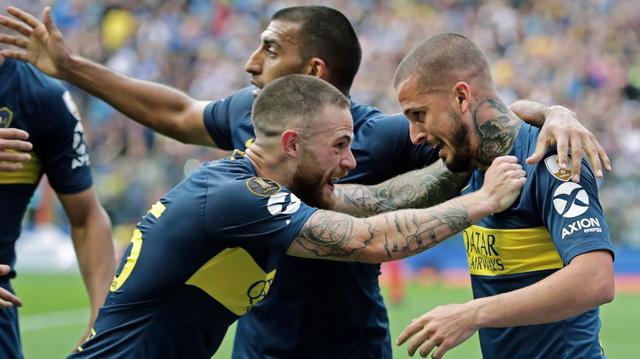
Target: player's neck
496,128
269,164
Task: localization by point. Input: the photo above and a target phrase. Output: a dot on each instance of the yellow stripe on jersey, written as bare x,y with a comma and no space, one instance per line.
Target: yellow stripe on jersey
157,209
233,279
496,252
29,174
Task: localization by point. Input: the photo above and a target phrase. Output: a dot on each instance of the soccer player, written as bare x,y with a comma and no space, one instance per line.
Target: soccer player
312,40
209,250
32,103
540,269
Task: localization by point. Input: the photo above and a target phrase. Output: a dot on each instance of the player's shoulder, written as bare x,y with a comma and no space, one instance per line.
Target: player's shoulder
38,84
240,98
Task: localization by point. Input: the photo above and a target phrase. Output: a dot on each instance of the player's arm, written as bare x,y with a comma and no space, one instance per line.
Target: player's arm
13,145
395,235
162,108
560,126
91,235
415,189
586,282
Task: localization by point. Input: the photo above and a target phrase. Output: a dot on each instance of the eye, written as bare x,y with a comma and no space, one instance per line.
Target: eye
271,52
417,116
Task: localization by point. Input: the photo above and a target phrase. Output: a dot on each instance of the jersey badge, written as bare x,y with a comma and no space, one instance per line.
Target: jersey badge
554,168
6,115
262,187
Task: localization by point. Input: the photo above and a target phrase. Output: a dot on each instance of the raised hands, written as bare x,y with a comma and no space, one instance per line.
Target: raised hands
39,42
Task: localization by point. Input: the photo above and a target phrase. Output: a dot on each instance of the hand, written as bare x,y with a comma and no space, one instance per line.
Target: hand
443,327
42,43
561,127
503,182
13,144
7,299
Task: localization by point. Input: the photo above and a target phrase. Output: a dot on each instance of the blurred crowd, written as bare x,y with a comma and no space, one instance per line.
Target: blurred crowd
582,54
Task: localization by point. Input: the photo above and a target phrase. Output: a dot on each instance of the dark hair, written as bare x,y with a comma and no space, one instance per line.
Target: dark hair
443,59
327,34
292,101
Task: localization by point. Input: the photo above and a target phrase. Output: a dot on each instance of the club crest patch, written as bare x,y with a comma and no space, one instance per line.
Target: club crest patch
554,168
262,187
6,115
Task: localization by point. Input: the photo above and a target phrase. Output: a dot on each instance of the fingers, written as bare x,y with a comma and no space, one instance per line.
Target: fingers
18,55
4,269
541,148
594,159
15,25
24,16
442,349
427,347
409,331
603,156
20,42
563,152
576,157
14,134
421,337
46,18
8,299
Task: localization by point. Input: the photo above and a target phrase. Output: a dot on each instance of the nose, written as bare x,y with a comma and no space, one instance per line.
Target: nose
254,64
416,133
349,161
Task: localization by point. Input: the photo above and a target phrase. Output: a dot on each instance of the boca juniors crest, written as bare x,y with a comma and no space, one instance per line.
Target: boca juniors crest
6,115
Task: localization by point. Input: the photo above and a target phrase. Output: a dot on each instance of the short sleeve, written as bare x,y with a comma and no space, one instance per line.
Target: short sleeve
64,153
571,211
220,116
255,212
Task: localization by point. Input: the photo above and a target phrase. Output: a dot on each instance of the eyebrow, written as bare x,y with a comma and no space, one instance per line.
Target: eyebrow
271,42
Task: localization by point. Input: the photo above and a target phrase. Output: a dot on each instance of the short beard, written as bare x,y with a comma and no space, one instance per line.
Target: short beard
462,157
309,189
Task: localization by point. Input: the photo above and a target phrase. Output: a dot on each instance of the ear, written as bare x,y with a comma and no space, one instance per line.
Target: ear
462,96
316,67
289,140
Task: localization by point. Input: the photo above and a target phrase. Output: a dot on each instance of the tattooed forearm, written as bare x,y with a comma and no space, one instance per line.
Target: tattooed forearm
419,232
415,189
328,234
497,127
380,238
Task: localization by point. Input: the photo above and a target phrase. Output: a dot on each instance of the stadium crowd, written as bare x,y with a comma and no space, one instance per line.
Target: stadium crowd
584,55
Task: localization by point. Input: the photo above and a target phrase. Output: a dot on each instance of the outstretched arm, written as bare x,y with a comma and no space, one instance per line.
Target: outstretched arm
560,126
13,148
580,286
395,235
162,108
420,188
91,235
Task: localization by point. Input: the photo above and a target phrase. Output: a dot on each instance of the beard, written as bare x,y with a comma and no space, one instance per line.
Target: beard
308,184
461,160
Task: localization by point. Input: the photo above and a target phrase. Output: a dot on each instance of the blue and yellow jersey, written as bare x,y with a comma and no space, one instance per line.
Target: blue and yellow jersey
553,221
202,256
39,105
319,294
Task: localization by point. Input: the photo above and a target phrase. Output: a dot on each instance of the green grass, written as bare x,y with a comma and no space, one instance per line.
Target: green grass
54,314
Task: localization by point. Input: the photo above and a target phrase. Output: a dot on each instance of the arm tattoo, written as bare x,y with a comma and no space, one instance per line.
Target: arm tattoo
416,189
328,234
389,236
497,134
420,231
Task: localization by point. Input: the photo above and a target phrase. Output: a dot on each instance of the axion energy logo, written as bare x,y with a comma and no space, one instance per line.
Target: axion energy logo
570,200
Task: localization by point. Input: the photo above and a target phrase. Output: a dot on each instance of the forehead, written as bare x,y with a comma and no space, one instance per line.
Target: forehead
333,122
412,93
282,33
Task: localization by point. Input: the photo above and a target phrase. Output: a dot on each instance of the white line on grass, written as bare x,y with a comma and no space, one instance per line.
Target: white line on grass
57,319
